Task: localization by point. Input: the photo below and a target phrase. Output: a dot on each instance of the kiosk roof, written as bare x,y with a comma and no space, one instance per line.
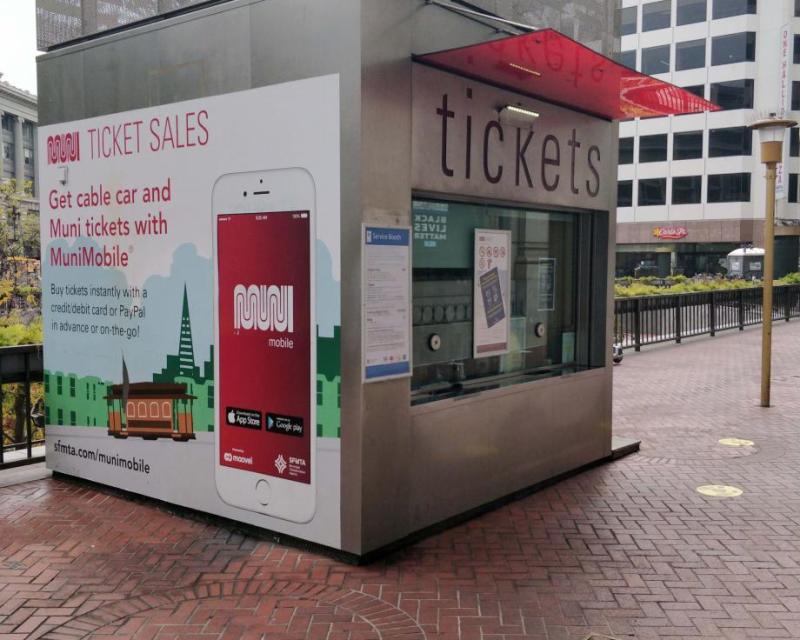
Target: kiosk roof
550,66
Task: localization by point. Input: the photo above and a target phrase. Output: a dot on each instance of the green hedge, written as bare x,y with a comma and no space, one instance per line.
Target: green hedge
637,287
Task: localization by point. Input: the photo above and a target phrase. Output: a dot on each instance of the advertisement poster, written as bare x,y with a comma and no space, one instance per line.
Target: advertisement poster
387,302
547,284
492,297
128,259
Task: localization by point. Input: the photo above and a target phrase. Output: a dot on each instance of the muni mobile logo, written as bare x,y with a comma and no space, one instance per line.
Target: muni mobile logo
63,147
264,307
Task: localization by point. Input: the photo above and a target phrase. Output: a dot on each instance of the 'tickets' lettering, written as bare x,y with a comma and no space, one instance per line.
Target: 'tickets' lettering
531,145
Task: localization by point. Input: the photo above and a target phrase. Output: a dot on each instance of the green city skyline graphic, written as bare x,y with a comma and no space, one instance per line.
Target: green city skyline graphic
81,400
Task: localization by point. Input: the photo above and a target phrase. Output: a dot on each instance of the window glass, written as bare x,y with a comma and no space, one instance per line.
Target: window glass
729,187
626,150
653,148
736,47
733,94
656,15
697,89
687,145
796,53
687,190
794,142
550,253
627,21
625,193
690,11
792,187
728,8
627,58
795,95
797,8
690,55
655,60
652,191
730,141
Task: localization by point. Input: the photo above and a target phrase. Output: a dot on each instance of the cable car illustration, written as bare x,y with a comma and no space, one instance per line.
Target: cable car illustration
151,410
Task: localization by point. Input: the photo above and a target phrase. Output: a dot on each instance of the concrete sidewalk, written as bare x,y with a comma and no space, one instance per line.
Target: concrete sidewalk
627,550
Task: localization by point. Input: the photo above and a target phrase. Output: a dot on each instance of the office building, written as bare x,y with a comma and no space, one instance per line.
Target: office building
18,114
691,188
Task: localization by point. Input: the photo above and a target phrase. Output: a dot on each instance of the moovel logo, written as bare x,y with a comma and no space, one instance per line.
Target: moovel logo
63,147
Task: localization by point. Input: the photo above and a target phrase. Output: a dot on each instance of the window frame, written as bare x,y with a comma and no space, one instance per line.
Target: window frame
719,12
623,24
748,91
690,4
695,178
644,64
629,156
654,11
689,45
685,135
750,41
722,188
643,146
628,185
747,142
643,183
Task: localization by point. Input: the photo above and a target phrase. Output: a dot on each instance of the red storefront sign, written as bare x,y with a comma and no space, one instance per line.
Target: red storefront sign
670,233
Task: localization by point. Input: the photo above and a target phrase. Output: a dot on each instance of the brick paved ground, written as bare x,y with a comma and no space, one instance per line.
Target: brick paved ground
627,550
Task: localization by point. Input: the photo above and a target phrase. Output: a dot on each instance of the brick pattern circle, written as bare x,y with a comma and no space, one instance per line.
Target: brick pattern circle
243,609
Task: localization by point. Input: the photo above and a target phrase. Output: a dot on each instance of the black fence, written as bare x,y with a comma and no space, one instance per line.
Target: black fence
21,405
653,319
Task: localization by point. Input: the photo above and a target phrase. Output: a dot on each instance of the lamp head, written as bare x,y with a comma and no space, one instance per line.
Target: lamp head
771,133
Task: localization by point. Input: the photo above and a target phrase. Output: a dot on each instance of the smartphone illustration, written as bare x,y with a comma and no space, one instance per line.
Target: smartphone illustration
265,337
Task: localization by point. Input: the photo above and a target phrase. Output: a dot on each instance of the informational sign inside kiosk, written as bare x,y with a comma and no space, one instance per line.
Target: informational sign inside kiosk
191,301
491,313
387,302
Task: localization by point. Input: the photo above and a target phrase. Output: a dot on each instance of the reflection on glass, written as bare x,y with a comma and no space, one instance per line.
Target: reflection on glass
547,332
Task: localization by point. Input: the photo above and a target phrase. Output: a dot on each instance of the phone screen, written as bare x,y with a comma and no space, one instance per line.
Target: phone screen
263,276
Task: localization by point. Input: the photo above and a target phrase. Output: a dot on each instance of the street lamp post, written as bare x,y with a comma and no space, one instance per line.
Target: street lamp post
771,133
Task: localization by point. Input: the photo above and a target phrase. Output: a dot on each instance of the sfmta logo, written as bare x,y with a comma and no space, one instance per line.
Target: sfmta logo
63,147
264,307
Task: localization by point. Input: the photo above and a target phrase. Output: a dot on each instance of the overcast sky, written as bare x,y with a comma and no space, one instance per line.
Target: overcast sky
18,43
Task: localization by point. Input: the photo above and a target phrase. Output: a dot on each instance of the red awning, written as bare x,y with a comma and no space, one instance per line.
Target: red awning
548,65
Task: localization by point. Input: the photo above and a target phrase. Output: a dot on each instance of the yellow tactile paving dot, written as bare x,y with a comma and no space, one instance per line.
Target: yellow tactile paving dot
737,442
719,491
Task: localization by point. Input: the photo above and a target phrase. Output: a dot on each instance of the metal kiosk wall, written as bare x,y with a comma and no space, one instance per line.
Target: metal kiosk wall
205,181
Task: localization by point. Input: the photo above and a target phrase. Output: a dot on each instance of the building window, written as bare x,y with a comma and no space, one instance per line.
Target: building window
736,47
697,89
548,300
792,187
655,60
687,145
627,58
319,393
687,190
73,419
211,396
28,155
730,141
729,187
625,193
797,8
47,375
59,386
796,53
690,54
795,95
729,8
60,416
653,148
733,94
691,11
72,382
338,395
627,21
794,141
626,150
656,15
652,192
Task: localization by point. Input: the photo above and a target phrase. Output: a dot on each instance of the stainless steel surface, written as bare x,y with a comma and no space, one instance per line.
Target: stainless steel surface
402,469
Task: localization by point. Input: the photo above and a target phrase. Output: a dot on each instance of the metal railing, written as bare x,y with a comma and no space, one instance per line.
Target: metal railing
21,423
653,319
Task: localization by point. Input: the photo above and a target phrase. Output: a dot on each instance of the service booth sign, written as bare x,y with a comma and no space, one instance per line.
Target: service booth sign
165,280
